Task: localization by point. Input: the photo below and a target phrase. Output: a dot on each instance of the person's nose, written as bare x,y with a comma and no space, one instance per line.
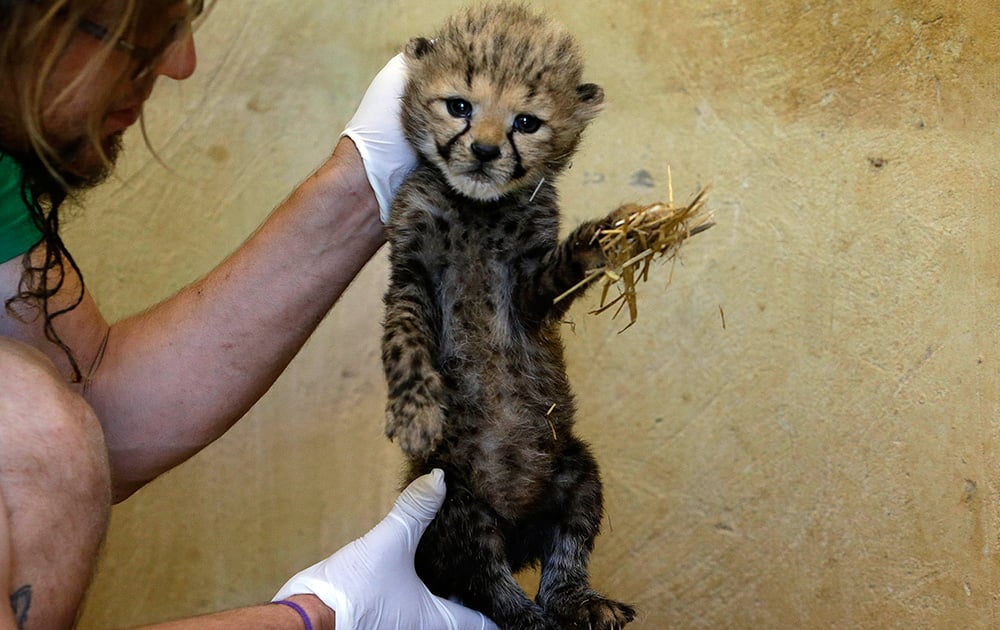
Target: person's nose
180,60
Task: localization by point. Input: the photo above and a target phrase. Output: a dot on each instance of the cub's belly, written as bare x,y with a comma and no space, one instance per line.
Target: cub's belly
506,449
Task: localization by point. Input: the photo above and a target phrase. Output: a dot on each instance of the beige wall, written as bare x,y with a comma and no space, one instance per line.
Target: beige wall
825,459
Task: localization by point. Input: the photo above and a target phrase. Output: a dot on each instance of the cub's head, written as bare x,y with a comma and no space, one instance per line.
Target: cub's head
495,100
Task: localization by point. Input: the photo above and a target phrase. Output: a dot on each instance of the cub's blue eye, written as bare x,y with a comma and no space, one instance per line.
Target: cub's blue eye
459,107
526,123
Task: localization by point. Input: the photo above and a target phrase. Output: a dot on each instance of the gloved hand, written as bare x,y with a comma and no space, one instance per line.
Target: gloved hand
371,582
378,133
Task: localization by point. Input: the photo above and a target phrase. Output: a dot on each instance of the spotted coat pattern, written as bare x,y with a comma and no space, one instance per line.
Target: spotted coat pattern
471,349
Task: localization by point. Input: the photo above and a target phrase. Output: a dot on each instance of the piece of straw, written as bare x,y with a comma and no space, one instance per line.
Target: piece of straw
630,245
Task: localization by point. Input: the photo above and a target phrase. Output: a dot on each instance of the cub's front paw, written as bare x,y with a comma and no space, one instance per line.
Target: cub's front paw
620,214
416,423
587,249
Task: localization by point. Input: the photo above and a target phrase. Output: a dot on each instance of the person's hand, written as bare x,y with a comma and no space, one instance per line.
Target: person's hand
371,583
377,132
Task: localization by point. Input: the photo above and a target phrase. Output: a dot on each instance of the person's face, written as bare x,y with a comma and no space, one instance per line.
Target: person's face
107,95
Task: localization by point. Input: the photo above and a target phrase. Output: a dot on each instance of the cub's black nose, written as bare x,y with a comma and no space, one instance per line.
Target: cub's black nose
485,152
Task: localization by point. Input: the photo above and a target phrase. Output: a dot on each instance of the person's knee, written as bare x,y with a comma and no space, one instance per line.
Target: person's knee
54,483
51,436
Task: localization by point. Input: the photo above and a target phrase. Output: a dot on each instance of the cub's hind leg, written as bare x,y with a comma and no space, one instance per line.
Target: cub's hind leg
463,555
565,591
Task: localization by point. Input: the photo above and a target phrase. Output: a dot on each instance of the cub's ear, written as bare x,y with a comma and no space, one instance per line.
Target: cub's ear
590,93
418,47
591,98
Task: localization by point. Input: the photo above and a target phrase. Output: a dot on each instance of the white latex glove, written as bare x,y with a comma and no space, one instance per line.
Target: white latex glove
371,583
377,131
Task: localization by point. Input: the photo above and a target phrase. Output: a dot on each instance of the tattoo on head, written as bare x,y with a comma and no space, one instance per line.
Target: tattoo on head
20,601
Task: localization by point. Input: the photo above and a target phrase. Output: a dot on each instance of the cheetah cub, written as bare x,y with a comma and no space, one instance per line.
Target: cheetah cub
477,384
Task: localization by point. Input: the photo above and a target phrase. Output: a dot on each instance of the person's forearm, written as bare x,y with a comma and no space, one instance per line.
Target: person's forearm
176,377
276,616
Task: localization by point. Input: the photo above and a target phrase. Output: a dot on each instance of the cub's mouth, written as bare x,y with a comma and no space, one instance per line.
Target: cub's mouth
484,174
479,183
480,173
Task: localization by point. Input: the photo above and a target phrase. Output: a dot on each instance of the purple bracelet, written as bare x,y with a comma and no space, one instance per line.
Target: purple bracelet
298,609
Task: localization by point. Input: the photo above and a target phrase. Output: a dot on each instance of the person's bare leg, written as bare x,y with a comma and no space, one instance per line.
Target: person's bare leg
54,485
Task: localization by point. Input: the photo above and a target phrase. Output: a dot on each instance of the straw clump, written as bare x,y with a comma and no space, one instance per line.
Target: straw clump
631,244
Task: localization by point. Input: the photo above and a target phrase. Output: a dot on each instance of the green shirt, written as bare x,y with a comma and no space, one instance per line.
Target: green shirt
18,233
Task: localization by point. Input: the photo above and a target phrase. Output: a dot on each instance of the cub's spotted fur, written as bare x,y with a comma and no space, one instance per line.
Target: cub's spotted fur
477,386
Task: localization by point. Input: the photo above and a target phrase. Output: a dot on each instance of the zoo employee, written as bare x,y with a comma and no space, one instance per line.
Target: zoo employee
91,412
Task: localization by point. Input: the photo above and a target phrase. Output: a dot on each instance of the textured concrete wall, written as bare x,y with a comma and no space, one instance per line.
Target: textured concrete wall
824,459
